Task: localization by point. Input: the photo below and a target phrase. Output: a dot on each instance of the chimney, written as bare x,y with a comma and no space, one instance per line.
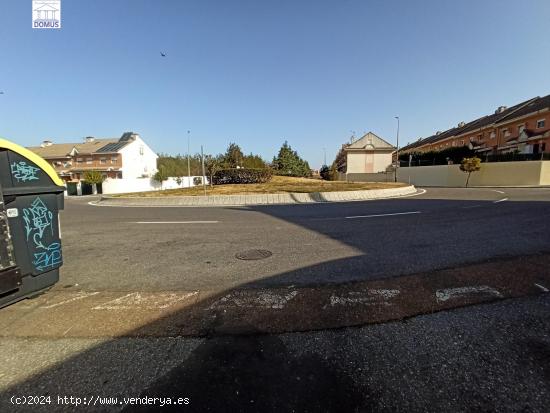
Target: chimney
461,124
438,132
500,109
46,143
89,139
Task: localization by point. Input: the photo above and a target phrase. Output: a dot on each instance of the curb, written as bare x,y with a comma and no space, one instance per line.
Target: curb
281,309
259,199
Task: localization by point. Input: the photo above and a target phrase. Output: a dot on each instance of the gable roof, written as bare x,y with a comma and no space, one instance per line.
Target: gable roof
521,109
370,141
64,149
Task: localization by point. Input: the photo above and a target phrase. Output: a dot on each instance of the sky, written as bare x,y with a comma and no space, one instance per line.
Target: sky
257,73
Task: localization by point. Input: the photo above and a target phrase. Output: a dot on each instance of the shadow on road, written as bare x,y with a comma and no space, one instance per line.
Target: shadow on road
255,372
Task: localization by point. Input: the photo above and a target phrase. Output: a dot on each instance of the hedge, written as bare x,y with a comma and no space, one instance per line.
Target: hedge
241,176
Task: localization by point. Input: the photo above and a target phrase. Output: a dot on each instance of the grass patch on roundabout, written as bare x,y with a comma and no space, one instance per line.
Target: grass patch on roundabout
277,185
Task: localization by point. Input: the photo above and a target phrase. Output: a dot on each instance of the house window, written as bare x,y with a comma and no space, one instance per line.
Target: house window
119,175
114,159
493,134
521,128
541,123
89,161
141,150
79,160
103,160
505,132
462,142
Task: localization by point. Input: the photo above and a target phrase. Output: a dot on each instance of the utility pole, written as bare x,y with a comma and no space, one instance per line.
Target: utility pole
188,163
397,151
203,174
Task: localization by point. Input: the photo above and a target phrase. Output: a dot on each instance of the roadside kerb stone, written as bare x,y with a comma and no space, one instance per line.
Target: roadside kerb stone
258,199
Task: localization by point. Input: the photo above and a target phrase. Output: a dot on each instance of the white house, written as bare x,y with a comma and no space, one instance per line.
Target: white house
127,164
368,154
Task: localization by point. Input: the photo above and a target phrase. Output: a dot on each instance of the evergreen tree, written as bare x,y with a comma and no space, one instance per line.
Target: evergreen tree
289,163
233,156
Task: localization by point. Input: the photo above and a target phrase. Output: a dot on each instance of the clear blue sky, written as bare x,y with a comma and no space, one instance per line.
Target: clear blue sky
261,72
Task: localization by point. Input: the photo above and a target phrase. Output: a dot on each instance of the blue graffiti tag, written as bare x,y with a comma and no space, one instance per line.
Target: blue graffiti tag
24,172
39,219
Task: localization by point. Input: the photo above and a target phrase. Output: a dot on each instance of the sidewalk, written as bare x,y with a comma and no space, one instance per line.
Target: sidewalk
258,199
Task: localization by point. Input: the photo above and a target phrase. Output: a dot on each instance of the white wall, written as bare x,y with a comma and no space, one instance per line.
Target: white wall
138,159
121,186
357,162
491,174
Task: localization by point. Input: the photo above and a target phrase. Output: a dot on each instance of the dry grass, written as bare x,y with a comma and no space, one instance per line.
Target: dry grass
278,185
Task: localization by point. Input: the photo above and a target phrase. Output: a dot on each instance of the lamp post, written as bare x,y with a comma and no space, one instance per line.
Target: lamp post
397,150
188,164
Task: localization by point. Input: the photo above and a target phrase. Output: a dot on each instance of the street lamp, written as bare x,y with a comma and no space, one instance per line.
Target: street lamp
188,164
397,150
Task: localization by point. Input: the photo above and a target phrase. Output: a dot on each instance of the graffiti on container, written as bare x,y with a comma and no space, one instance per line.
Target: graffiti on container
38,223
24,172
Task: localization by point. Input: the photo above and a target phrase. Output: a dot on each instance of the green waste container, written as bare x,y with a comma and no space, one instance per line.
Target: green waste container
31,196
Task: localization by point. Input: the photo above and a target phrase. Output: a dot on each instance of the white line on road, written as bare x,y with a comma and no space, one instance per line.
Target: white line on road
78,296
176,222
448,293
383,215
542,287
254,299
500,192
500,200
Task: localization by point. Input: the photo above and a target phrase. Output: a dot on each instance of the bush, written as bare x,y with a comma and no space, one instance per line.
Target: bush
325,173
241,176
197,180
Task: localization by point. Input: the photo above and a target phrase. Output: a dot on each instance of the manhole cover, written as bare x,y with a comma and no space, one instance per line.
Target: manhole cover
253,254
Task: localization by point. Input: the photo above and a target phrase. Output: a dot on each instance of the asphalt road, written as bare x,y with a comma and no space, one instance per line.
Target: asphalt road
485,357
159,249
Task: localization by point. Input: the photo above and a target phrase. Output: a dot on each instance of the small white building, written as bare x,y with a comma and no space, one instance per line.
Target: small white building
369,154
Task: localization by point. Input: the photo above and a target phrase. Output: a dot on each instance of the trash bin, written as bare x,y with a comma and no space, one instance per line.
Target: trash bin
31,196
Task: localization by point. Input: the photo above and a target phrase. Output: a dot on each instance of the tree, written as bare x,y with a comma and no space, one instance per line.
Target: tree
161,175
233,156
213,164
340,162
93,178
288,163
470,165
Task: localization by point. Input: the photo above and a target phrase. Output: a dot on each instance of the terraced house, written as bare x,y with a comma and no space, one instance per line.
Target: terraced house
523,128
122,161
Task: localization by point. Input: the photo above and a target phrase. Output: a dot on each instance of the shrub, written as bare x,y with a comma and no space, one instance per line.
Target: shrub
241,176
197,180
325,173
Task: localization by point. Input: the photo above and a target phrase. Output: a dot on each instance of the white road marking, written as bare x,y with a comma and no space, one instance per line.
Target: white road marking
448,293
383,215
366,297
543,288
176,222
500,192
500,200
79,296
146,301
254,299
